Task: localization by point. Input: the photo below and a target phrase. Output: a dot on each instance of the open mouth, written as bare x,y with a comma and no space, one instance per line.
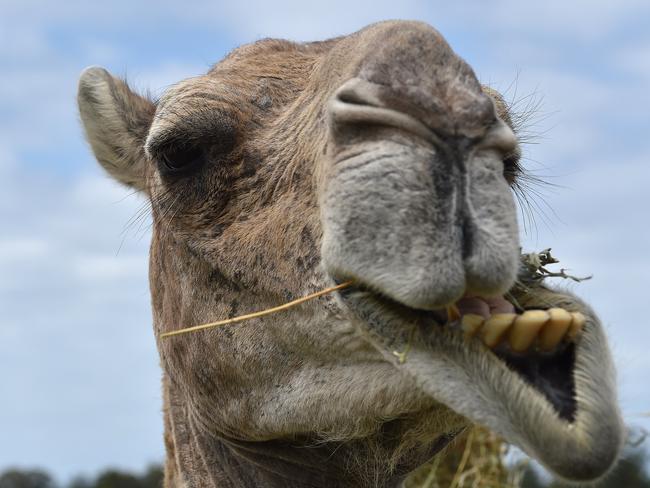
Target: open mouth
539,378
537,345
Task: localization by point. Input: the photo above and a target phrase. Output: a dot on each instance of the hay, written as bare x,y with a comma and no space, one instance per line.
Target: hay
477,459
535,266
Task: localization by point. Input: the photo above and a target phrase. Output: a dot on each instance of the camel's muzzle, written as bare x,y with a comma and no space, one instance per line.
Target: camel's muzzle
414,214
423,221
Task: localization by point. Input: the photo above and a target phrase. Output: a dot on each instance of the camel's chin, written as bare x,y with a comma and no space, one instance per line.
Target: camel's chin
558,405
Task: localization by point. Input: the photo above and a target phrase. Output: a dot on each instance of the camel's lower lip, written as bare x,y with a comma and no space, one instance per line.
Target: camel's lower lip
550,372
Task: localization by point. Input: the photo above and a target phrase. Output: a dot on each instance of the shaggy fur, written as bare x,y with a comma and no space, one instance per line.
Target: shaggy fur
376,156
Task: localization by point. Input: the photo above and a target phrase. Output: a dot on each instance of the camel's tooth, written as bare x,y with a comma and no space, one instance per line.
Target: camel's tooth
526,328
495,327
577,323
555,329
470,323
453,313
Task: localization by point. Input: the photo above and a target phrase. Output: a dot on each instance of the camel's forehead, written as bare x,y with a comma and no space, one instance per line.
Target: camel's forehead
404,54
340,55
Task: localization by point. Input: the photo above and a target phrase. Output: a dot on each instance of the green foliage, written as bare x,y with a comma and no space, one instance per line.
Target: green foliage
34,478
152,478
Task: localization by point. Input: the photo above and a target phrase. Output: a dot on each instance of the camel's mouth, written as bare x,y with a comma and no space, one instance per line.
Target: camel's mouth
548,389
550,373
538,346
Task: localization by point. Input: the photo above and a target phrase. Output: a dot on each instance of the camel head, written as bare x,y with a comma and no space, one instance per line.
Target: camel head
378,158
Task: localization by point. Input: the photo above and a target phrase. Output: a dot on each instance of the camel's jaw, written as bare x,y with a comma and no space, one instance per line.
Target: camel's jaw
559,406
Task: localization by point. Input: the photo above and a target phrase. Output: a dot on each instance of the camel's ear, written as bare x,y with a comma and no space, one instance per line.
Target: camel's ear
116,122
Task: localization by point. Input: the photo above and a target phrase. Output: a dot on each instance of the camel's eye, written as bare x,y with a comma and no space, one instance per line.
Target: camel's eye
181,160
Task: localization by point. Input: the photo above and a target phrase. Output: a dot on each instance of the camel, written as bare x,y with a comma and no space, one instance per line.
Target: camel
376,158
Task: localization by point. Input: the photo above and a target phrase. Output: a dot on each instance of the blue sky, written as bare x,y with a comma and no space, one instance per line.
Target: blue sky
79,386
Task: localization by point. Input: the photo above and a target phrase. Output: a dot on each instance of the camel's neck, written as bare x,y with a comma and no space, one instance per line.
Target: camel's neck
224,463
279,464
197,459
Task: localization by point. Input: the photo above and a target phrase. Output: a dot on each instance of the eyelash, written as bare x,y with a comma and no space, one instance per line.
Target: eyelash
181,160
511,167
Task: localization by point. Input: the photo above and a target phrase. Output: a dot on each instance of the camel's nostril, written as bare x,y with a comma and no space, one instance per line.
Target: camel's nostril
359,102
357,92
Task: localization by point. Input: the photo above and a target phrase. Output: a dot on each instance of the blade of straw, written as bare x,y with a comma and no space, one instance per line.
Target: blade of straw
261,313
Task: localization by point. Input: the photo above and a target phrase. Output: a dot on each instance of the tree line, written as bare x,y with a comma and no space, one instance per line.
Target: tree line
111,478
631,472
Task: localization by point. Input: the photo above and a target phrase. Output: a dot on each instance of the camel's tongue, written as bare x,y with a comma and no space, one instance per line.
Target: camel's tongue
484,306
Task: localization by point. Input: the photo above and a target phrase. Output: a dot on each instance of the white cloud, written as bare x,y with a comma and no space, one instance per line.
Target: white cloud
166,74
22,249
75,329
294,20
580,20
19,43
634,59
114,269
